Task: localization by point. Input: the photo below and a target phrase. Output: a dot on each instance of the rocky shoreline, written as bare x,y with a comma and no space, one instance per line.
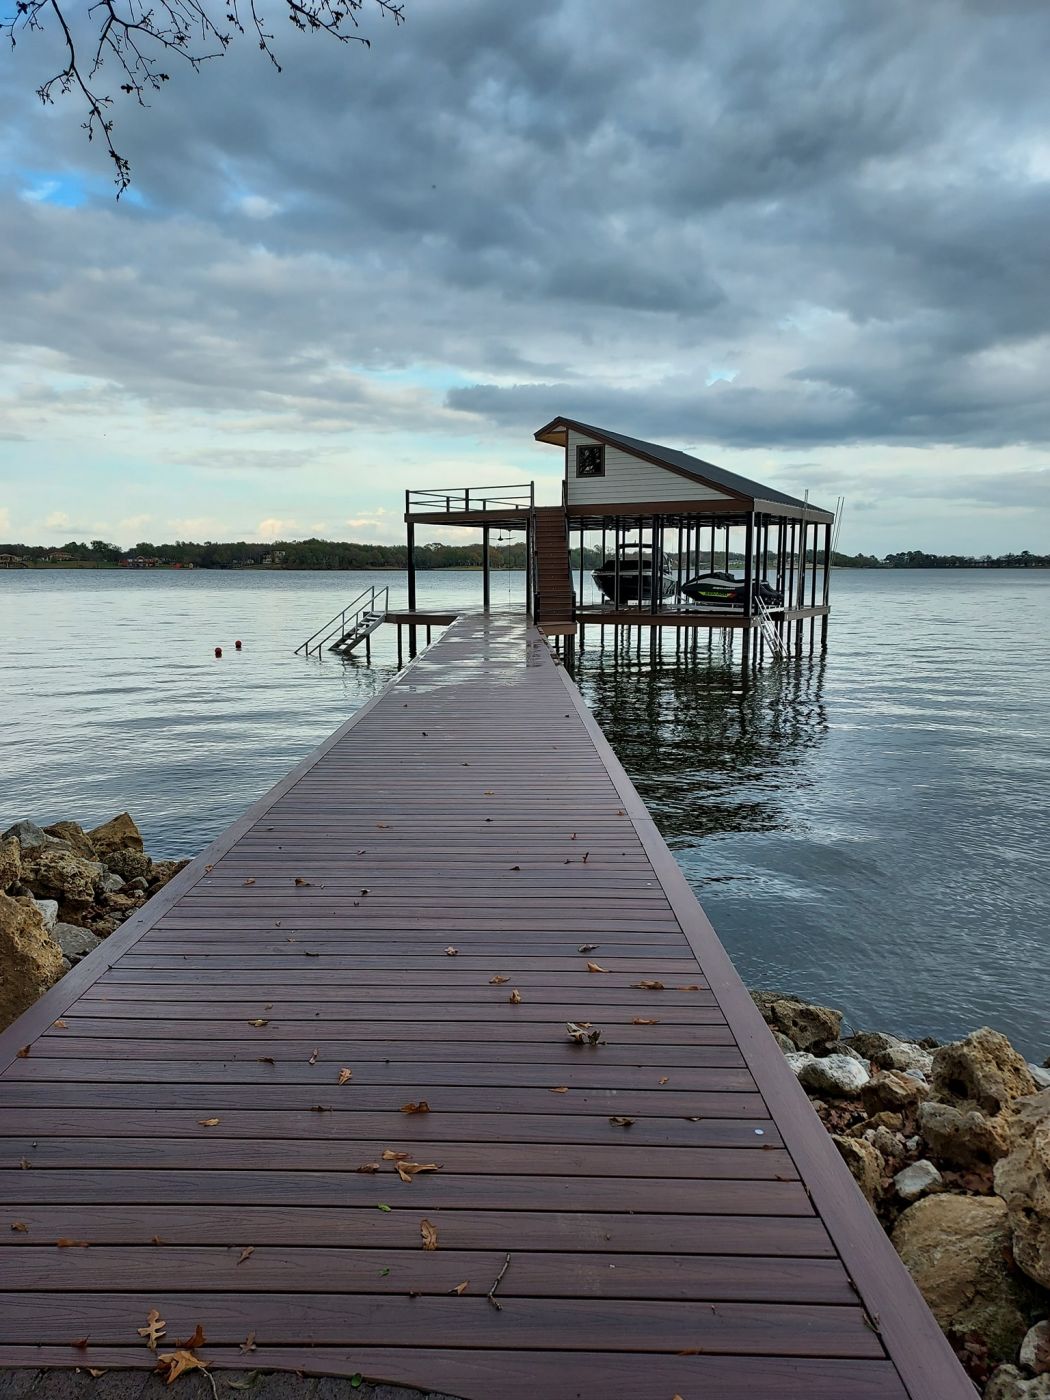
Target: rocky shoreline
949,1144
62,891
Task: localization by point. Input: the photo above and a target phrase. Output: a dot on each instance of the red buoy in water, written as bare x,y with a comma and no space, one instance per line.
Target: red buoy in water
218,651
237,645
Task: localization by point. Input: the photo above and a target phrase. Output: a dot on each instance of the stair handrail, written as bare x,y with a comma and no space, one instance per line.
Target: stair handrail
768,626
353,611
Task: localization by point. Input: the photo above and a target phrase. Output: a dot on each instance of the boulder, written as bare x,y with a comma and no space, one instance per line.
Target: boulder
111,883
1041,1075
962,1138
838,1076
58,872
888,1052
73,834
957,1249
892,1090
893,1122
136,886
984,1071
1022,1178
806,1025
48,912
864,1162
130,864
1008,1383
797,1060
75,942
10,862
890,1144
118,834
30,959
917,1180
165,870
1035,1349
28,835
785,1043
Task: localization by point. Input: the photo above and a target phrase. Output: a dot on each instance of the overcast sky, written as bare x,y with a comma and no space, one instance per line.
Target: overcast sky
807,240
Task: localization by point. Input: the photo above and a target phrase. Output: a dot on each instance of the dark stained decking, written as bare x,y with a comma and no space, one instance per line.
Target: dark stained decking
714,1246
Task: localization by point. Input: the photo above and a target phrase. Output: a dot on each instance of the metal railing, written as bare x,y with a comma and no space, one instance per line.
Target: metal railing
344,622
769,627
462,498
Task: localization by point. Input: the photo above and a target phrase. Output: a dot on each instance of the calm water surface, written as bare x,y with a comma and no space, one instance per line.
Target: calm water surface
869,827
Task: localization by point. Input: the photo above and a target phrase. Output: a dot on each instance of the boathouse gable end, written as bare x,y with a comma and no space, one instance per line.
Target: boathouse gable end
623,477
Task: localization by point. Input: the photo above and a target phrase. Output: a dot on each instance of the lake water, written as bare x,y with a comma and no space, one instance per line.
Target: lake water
869,827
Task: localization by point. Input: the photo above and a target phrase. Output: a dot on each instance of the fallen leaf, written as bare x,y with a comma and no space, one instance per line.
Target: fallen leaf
249,1343
383,826
60,1025
663,1080
154,1329
488,792
498,981
25,1163
649,986
80,1344
249,882
23,1054
313,1058
559,1089
20,1227
582,1034
345,1076
258,1022
383,1273
383,1207
620,1121
515,997
208,1122
171,1364
197,1340
644,1021
321,1108
515,867
300,881
307,954
693,987
421,1107
451,952
461,1288
588,947
586,857
368,1168
95,1372
407,1170
246,1253
156,1239
389,1155
72,1244
429,1233
596,967
266,1060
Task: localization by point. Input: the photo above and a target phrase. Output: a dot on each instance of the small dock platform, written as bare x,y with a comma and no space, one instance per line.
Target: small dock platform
382,963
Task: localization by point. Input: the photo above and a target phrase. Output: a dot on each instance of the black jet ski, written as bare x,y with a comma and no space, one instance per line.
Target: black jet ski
632,579
727,591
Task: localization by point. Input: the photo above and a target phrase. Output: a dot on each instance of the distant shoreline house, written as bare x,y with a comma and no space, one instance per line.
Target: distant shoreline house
12,561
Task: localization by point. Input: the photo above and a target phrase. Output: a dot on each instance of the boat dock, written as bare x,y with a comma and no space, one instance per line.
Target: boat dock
431,1069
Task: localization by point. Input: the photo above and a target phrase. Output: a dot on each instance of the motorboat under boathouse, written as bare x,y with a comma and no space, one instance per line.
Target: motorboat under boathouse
682,543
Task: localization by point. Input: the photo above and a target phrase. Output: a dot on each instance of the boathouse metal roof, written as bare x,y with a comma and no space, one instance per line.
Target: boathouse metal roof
757,494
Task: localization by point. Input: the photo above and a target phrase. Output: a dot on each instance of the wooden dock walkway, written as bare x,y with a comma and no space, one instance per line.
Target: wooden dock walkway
677,1221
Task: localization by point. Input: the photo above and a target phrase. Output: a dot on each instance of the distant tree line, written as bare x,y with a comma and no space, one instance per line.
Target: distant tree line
341,554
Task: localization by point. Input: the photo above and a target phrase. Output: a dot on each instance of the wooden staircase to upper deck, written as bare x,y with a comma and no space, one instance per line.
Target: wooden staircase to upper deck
554,604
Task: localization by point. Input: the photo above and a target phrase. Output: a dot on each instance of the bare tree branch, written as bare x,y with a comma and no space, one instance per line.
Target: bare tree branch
136,36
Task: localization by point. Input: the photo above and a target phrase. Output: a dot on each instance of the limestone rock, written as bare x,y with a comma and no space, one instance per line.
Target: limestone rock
58,872
1008,1383
136,886
28,835
48,909
165,870
836,1075
864,1162
843,1047
1035,1349
112,882
119,834
74,835
962,1138
30,959
1041,1075
788,1045
917,1180
75,942
888,1052
891,1145
892,1090
1022,1178
10,862
130,864
956,1248
806,1025
798,1060
983,1070
893,1122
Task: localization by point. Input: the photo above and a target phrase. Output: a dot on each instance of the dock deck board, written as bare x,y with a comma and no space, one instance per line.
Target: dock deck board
466,836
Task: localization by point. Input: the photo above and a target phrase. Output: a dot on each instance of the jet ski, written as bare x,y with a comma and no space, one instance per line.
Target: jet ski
726,591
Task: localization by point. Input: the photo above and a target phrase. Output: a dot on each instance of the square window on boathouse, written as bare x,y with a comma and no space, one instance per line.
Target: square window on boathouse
590,459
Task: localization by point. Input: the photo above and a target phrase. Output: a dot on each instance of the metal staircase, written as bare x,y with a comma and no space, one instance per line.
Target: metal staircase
349,628
770,631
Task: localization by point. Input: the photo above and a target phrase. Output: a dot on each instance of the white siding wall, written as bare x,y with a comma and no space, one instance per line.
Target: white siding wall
629,478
